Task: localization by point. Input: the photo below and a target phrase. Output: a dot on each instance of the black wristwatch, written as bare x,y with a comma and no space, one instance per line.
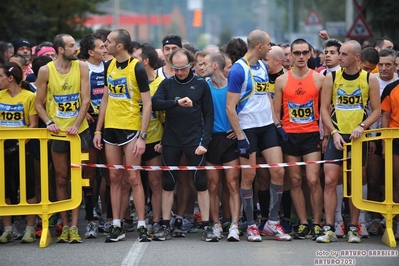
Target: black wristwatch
177,100
143,136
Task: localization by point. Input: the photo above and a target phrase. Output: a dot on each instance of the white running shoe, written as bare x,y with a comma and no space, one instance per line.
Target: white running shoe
276,230
353,235
218,230
253,234
340,229
234,234
91,230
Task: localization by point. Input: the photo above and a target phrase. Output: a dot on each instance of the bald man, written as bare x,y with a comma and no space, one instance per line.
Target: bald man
256,126
347,92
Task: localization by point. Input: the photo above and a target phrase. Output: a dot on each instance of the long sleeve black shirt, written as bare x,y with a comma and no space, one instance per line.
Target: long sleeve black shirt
185,126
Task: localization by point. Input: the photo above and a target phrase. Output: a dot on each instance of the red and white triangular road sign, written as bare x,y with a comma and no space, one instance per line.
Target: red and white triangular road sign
313,19
359,29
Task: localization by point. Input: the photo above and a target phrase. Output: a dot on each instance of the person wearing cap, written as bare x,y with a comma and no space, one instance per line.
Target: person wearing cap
24,48
170,43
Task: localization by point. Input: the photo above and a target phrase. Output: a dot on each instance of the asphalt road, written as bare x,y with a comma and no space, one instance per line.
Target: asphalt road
192,251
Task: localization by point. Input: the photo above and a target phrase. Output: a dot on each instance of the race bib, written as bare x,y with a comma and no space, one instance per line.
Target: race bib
349,102
301,113
12,115
117,88
67,105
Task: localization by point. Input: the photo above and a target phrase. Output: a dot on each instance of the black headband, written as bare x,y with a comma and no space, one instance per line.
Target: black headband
173,40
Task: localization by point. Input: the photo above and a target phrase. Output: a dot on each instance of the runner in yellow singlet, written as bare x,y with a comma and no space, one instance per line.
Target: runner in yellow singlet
63,88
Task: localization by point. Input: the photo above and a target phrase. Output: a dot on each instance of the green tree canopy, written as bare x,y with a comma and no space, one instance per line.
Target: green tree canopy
42,20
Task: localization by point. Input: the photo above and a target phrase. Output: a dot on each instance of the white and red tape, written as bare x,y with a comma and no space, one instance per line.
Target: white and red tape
205,167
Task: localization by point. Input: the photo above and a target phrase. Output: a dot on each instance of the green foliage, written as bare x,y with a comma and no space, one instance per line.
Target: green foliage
42,20
225,35
382,17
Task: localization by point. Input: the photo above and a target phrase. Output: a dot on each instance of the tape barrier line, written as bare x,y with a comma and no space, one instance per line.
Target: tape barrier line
205,167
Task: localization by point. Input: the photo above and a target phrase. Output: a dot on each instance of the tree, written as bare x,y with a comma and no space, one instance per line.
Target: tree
382,17
225,35
42,20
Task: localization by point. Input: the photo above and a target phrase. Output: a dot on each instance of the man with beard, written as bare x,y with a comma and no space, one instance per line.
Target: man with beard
63,85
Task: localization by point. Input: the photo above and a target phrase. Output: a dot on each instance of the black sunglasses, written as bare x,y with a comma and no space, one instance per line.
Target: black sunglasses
298,53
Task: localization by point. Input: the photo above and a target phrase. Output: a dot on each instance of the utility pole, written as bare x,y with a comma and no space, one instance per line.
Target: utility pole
116,15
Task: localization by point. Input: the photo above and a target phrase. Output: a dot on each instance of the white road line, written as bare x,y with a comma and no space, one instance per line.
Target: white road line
135,254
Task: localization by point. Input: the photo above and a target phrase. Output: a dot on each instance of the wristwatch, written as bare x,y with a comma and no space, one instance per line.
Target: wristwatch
177,100
49,122
362,125
143,136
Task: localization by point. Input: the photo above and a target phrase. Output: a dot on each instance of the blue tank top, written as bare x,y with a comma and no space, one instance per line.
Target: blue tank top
221,122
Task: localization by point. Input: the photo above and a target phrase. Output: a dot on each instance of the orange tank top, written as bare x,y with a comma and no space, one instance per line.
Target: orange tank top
300,105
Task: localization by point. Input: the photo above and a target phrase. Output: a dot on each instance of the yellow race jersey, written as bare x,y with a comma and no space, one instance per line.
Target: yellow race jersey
63,99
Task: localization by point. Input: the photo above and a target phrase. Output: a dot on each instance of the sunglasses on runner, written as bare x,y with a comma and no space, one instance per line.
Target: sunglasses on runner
181,68
298,53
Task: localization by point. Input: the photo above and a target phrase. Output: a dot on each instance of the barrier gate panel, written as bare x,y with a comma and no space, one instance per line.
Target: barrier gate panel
388,208
45,208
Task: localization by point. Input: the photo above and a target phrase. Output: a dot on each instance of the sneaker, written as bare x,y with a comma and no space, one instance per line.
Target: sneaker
115,234
242,227
353,235
143,234
38,229
6,237
106,228
16,235
128,226
155,228
64,236
29,236
253,234
208,235
303,232
52,221
74,236
177,229
286,223
363,230
96,216
327,236
197,219
102,221
162,234
375,228
234,234
316,231
218,230
226,227
261,228
277,231
91,230
340,229
188,225
58,229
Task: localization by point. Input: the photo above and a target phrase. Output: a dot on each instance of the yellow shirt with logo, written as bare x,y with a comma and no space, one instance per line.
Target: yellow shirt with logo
349,101
15,111
123,109
63,99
